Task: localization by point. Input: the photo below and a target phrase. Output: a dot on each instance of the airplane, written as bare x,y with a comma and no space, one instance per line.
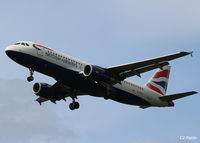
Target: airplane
76,78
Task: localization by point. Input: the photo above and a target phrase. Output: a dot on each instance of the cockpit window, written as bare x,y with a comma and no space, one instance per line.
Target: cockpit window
24,44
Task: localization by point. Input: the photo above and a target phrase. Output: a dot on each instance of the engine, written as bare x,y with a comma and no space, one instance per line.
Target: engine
97,73
45,90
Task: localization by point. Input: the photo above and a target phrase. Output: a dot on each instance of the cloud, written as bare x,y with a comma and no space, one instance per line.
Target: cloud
24,121
120,32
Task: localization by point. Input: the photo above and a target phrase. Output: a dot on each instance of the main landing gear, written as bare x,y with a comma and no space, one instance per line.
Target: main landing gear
74,104
30,78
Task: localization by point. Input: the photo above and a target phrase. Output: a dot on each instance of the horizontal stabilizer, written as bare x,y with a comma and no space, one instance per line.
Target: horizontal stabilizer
177,96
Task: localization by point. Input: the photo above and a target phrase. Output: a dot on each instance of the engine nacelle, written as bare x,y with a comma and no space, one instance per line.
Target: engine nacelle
97,74
45,90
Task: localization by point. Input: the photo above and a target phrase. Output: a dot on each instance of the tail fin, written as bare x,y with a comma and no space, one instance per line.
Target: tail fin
159,81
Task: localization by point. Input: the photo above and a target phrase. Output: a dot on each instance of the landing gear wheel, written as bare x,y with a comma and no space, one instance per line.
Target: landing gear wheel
74,105
71,106
30,78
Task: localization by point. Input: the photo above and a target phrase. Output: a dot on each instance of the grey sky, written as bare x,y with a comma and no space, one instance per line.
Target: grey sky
107,33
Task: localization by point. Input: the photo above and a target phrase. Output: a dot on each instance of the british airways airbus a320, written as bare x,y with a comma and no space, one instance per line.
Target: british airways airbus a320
75,77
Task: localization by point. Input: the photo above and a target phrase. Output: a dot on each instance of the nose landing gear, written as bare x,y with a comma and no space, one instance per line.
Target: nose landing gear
30,78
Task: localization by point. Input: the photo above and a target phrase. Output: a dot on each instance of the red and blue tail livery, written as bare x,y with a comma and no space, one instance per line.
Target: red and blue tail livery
76,78
159,81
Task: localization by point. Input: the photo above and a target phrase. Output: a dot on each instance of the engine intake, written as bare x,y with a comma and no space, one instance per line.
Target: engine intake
97,73
87,70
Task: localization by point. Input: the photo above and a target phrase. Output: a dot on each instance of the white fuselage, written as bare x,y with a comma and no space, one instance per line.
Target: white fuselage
70,63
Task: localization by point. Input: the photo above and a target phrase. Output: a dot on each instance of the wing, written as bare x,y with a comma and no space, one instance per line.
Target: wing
127,70
65,90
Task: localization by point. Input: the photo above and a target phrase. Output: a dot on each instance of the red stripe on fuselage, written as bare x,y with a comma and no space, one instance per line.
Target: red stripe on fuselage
43,47
164,73
154,88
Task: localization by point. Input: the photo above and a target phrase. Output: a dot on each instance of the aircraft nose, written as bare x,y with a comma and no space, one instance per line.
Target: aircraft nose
14,52
11,51
10,48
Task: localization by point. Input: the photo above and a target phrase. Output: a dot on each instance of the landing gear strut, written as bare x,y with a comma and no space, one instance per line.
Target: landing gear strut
30,78
74,104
